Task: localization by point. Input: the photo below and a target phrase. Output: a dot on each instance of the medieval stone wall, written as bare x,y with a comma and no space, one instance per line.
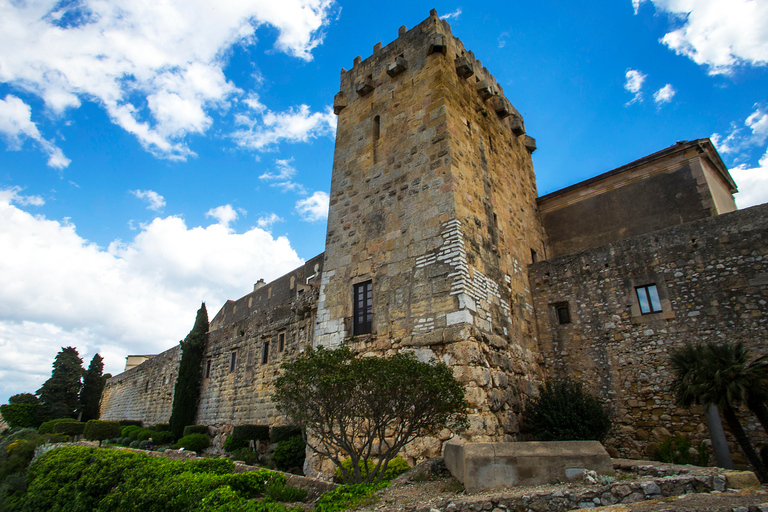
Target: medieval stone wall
145,392
712,277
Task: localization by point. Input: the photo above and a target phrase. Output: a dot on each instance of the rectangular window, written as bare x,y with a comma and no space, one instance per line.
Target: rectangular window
265,352
363,299
281,341
563,313
648,297
208,369
232,361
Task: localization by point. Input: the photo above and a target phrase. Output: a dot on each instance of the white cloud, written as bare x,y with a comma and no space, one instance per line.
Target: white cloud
154,200
156,68
57,289
267,221
636,5
285,171
752,183
454,14
634,84
737,142
719,34
664,95
225,215
314,207
294,125
12,196
16,125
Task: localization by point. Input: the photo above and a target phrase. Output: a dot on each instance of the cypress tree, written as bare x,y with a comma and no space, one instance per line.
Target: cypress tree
186,393
93,385
59,396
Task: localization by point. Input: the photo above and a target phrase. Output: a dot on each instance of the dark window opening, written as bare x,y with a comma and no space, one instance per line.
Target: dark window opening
232,361
281,341
648,297
376,127
208,369
534,256
265,352
146,387
563,313
363,314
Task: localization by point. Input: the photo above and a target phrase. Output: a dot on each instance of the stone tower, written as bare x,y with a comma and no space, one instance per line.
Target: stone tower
433,221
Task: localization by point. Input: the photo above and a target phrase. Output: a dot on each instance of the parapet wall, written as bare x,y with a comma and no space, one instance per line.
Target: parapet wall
712,279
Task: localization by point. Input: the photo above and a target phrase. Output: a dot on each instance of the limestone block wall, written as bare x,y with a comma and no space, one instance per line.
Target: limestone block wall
145,392
712,277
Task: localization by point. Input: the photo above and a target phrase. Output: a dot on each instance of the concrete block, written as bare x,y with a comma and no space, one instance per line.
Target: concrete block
486,466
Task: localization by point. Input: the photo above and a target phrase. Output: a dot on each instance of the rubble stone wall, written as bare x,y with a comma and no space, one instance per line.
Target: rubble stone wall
712,277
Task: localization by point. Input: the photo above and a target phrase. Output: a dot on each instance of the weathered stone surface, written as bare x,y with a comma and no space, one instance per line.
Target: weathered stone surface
741,480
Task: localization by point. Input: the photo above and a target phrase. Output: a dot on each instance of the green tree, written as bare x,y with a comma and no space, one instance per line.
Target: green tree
93,385
721,374
59,394
23,398
186,393
367,408
563,411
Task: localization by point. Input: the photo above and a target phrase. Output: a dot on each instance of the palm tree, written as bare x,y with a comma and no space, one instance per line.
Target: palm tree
721,375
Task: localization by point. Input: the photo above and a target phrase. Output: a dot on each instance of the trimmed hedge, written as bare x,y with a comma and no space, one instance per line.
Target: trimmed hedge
20,415
277,434
47,427
251,432
98,430
69,428
194,442
290,454
126,423
195,429
232,445
126,431
162,427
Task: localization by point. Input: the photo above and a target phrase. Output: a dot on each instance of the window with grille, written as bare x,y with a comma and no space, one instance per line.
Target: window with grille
648,297
363,313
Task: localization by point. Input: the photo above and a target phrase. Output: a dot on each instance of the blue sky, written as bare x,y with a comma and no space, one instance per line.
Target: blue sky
158,155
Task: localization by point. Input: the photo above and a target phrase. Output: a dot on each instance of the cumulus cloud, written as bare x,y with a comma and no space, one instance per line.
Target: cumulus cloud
752,183
58,289
314,207
634,84
664,95
295,125
719,34
16,125
154,200
267,221
225,215
12,196
157,68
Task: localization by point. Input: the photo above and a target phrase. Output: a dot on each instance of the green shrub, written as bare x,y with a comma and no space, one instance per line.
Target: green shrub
163,437
126,431
289,453
20,415
251,432
69,428
193,442
126,423
277,490
346,497
162,427
134,444
245,455
395,467
97,430
232,445
563,411
143,444
277,434
678,450
144,434
47,427
195,429
125,441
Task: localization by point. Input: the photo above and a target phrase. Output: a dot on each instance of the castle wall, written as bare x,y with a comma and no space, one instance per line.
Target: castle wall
674,186
145,392
712,277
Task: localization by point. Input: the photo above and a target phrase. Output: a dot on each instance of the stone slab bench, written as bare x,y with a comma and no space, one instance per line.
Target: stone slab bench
487,466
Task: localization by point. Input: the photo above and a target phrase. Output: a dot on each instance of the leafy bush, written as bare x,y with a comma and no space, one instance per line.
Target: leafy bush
163,437
277,434
126,431
134,444
97,430
277,490
143,434
143,444
88,479
125,441
245,455
24,398
251,432
346,497
162,427
194,442
195,429
563,411
20,415
47,427
69,428
232,445
290,453
127,423
396,466
678,450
